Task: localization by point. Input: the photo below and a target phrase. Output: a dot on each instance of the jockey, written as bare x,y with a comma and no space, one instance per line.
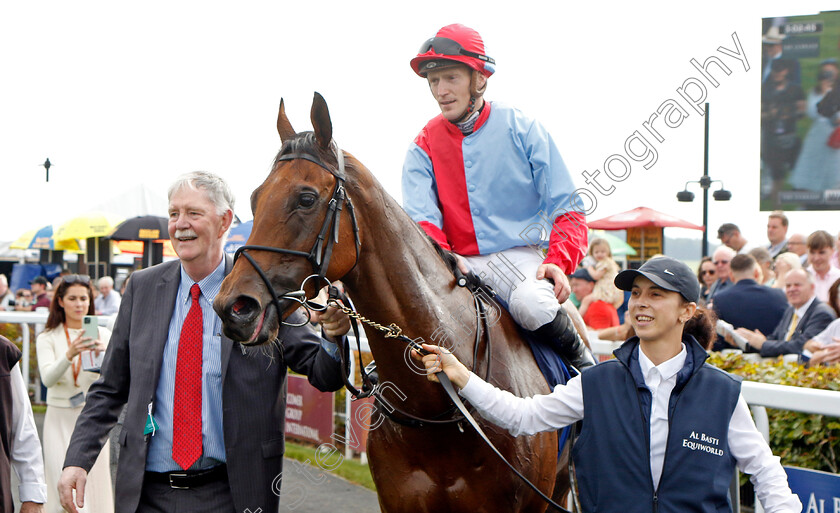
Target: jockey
482,177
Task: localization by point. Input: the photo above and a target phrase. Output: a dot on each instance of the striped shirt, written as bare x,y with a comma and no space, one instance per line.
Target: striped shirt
159,457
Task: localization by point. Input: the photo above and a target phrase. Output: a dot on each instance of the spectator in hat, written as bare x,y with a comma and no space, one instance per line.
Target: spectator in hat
696,424
599,314
39,291
782,104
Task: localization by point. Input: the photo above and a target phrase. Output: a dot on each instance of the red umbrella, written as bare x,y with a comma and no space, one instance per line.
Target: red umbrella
641,217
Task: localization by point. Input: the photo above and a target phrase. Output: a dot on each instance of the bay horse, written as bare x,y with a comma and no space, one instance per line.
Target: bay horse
394,274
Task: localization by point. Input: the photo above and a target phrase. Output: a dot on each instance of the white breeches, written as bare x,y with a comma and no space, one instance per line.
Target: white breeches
512,274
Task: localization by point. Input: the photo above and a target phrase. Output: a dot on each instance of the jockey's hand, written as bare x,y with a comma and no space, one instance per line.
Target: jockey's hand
439,359
462,264
552,272
333,321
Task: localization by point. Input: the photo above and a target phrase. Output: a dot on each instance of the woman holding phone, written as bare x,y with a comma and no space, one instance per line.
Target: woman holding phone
60,347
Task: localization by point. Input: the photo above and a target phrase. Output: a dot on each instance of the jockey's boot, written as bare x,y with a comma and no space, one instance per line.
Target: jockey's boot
561,335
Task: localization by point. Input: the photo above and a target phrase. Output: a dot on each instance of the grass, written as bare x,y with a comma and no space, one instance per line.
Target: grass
350,470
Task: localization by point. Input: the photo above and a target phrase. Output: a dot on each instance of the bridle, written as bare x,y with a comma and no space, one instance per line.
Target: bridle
321,253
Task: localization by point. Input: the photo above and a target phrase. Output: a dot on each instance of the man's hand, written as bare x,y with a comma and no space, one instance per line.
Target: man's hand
754,338
552,272
31,507
333,321
72,478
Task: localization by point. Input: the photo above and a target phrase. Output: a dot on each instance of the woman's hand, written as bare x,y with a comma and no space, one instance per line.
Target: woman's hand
82,343
440,359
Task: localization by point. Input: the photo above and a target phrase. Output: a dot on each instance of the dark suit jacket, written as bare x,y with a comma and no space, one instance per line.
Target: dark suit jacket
253,394
816,318
746,304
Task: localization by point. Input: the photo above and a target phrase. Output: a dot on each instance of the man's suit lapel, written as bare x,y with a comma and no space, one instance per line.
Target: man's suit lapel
166,291
226,343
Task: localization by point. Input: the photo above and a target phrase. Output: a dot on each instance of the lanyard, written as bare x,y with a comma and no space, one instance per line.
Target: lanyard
77,361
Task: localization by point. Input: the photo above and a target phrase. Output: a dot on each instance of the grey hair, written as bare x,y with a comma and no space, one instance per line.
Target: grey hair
216,188
104,280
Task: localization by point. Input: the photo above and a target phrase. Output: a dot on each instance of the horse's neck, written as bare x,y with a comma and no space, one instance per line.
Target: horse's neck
401,279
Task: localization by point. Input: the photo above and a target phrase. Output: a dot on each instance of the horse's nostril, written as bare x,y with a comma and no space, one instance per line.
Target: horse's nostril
244,308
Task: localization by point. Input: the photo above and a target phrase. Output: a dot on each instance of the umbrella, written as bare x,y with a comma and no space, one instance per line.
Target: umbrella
141,228
43,239
237,236
618,247
93,224
641,217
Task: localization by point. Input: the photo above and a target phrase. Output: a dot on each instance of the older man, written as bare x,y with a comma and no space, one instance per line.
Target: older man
798,243
204,422
805,317
108,300
721,258
747,304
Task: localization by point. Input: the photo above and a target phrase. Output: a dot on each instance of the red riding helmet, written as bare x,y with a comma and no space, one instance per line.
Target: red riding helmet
453,43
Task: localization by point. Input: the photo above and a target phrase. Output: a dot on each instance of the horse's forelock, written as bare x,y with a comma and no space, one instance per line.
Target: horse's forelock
305,142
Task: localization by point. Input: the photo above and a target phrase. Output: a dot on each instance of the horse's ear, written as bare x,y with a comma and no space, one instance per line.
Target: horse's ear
284,128
320,116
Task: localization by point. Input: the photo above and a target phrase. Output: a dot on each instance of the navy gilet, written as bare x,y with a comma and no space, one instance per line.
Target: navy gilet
612,455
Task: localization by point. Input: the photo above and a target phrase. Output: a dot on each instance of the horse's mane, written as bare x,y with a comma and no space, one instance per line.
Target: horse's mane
447,256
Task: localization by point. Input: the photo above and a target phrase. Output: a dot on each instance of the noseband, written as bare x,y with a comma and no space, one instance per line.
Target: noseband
321,253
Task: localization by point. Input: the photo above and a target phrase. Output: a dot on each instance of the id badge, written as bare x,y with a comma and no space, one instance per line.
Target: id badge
77,400
151,423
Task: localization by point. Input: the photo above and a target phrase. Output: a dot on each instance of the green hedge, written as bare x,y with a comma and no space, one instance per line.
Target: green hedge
801,440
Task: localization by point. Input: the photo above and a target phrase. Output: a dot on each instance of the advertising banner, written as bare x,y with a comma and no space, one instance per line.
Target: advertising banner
309,412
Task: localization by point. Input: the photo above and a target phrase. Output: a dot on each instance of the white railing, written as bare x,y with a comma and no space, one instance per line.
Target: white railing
35,318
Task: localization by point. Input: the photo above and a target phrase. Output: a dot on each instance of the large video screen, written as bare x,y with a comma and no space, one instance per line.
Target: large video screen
800,112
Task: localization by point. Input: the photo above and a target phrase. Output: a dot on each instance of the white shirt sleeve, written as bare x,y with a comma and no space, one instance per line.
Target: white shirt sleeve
26,456
753,456
527,415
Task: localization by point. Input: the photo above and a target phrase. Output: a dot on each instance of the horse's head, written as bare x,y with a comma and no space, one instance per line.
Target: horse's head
304,225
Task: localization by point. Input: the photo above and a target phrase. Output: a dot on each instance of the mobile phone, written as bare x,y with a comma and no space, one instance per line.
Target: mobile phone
91,326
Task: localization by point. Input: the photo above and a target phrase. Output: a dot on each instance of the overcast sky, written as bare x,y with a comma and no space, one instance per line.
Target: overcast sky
118,94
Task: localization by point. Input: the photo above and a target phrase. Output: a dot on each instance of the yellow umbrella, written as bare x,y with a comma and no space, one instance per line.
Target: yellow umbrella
92,224
43,239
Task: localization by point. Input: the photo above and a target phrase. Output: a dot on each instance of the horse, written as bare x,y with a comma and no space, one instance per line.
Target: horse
332,220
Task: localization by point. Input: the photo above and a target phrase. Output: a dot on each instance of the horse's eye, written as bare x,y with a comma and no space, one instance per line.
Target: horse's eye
307,199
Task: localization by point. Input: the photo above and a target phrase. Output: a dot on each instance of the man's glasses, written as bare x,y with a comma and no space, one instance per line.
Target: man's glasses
70,279
446,46
720,262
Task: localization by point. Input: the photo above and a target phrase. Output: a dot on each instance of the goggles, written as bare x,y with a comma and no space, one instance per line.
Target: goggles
446,46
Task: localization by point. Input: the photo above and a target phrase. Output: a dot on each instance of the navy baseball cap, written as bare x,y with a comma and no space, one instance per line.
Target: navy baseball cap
583,274
665,272
39,279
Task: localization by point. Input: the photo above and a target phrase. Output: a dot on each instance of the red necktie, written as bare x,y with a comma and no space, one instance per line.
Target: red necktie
186,436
